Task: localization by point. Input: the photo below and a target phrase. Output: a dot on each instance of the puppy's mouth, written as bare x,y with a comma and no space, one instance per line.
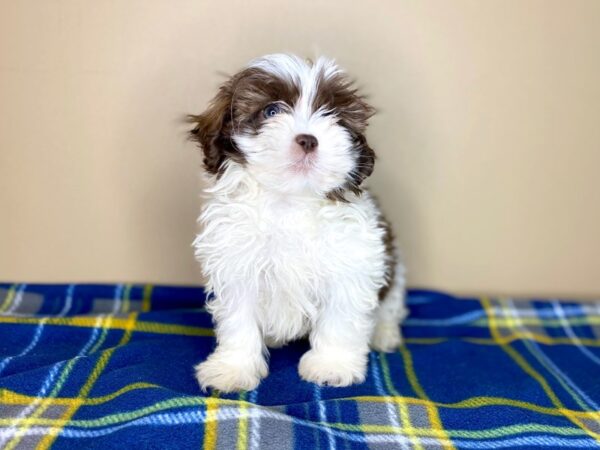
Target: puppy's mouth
304,164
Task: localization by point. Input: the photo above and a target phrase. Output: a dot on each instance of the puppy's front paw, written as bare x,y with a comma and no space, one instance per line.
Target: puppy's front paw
333,368
386,337
229,372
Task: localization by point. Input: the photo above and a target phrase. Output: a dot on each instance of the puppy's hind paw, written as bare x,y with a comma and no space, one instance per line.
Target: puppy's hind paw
386,337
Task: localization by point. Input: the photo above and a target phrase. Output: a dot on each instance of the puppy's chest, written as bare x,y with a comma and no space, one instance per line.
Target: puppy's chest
289,236
283,244
289,243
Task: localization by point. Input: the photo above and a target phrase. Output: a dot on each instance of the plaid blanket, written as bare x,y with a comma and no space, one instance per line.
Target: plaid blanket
98,366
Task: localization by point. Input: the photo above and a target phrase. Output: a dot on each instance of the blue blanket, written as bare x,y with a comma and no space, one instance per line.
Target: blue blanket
110,366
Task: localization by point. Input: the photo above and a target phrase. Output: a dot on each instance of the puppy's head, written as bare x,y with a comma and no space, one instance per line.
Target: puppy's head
295,126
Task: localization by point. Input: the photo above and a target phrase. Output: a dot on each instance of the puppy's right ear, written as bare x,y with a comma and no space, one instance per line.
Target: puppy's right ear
213,132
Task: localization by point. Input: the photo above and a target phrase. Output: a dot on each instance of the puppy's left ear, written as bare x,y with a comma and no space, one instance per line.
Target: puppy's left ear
355,115
364,163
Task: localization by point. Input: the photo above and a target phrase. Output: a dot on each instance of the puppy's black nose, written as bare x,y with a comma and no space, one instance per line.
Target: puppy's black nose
308,142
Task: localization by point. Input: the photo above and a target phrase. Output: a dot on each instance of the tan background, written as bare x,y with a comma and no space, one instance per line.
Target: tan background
488,134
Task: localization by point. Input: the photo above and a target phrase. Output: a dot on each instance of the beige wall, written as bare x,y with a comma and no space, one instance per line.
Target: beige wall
488,133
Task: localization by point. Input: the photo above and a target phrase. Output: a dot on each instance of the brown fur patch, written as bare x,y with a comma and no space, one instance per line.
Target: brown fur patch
338,95
255,90
391,254
391,258
237,106
364,164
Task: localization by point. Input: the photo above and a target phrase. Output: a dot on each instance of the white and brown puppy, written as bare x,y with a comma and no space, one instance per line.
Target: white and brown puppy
292,245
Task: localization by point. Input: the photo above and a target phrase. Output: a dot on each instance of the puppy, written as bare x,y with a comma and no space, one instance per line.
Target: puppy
292,245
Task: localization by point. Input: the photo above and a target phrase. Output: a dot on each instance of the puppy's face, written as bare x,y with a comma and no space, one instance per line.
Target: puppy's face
295,126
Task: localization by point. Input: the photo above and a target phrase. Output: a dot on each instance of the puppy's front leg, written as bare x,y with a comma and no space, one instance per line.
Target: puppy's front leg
340,337
238,362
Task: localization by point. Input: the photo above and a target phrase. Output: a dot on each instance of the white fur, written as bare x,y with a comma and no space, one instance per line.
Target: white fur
284,262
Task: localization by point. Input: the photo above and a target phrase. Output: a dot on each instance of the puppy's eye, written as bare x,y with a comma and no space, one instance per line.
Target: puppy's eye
272,110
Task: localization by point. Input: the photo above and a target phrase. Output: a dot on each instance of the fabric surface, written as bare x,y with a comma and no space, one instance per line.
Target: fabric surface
90,366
